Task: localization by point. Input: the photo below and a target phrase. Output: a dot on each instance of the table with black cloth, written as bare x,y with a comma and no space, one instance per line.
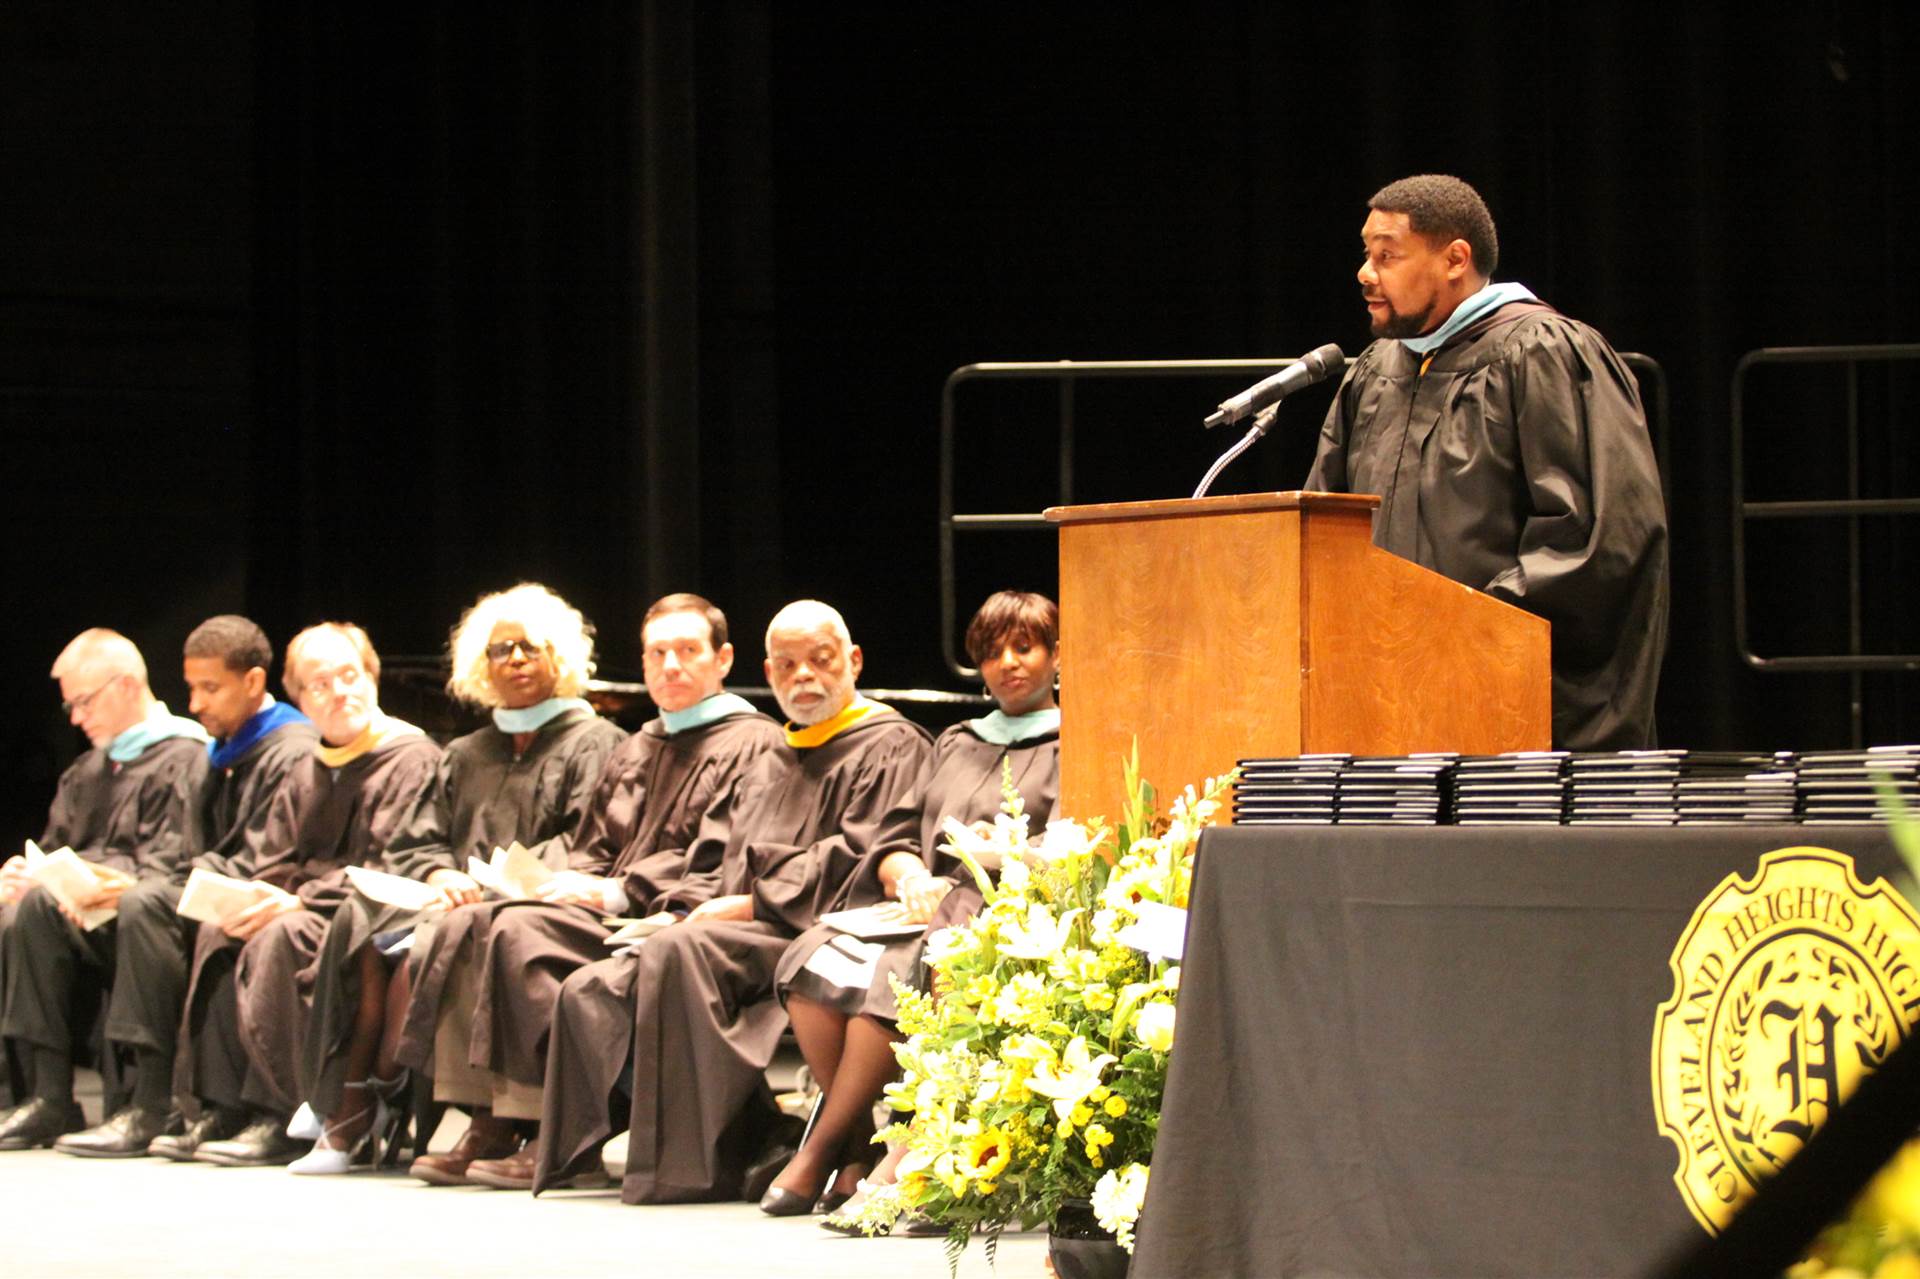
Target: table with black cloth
1426,1051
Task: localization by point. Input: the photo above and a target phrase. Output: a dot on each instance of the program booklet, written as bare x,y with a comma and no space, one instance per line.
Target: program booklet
512,872
70,878
210,897
393,890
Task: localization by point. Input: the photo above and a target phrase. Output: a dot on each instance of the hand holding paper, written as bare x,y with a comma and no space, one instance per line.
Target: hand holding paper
14,879
212,898
457,888
249,920
571,888
395,890
77,884
512,872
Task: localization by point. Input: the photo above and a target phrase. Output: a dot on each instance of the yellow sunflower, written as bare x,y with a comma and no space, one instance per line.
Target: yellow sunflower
988,1153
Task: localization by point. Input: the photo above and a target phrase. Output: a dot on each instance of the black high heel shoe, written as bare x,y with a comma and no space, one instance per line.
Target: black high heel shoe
779,1202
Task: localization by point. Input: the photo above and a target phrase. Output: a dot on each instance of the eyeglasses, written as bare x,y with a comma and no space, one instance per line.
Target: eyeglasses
504,649
85,700
322,686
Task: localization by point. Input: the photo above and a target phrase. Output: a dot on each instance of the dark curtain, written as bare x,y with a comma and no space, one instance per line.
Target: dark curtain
349,312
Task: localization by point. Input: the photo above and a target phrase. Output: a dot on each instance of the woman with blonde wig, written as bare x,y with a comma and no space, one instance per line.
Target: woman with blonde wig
527,777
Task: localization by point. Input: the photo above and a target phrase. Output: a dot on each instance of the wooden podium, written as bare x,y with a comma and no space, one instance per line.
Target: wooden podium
1269,624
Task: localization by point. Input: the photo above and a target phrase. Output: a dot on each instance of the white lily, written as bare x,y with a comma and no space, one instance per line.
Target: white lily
1040,937
1069,1080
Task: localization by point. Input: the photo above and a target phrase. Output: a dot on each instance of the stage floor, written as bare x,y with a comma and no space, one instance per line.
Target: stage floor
148,1217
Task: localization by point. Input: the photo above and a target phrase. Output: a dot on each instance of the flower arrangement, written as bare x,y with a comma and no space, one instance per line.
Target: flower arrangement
1880,1236
1880,1239
1033,1074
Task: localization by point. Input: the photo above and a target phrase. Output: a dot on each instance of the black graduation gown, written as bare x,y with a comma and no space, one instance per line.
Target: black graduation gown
230,819
133,816
641,821
154,943
1519,464
693,1009
961,781
321,821
482,796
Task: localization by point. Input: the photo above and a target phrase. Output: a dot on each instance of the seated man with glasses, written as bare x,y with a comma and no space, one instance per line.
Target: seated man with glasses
124,808
528,778
344,806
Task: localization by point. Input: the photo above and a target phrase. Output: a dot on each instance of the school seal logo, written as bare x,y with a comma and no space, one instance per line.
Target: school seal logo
1787,989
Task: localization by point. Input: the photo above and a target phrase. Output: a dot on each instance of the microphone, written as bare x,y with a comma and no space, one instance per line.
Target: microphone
1313,366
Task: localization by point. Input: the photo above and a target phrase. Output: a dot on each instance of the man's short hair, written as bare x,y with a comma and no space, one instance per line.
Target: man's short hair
810,615
688,602
1012,614
101,653
347,631
235,640
1444,209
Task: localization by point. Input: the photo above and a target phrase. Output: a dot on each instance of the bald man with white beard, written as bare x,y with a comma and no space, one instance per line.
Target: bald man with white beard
692,1011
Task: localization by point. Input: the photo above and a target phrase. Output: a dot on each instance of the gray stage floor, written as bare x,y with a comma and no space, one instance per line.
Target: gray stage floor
76,1217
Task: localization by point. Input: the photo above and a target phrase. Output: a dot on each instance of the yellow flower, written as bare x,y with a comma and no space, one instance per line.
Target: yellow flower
1094,1159
1081,1114
987,1154
1098,998
1099,1094
987,1187
1900,1265
1116,1106
1097,1135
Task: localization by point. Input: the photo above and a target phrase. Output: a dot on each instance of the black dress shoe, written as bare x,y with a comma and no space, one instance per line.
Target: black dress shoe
261,1144
784,1203
212,1125
125,1136
38,1123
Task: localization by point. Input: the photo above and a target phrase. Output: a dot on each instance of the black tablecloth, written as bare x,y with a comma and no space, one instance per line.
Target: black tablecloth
1426,1051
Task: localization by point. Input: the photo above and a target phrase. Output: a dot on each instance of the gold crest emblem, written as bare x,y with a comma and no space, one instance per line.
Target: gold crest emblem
1787,989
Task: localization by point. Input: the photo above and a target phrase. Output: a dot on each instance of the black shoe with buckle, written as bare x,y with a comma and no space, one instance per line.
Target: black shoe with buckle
125,1136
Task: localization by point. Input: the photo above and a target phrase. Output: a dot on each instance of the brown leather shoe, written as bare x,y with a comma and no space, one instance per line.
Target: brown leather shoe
485,1139
516,1173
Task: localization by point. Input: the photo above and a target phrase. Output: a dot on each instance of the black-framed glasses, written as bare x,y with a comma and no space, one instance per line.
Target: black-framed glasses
503,650
85,700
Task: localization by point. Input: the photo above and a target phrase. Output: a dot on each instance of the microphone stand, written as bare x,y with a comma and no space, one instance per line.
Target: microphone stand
1261,423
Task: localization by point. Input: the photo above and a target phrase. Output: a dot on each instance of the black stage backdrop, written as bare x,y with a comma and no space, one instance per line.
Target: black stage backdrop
316,310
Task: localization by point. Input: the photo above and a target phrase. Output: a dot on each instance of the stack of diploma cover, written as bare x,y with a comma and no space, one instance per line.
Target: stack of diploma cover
1520,788
1844,786
1403,790
1297,790
1718,788
1324,790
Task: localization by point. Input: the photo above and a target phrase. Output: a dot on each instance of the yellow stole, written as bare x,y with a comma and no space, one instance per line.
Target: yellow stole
828,729
380,730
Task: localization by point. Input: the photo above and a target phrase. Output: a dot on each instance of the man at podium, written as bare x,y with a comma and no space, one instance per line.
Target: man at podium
1509,451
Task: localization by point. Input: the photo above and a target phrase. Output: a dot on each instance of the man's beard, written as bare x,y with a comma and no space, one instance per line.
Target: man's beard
1397,325
835,700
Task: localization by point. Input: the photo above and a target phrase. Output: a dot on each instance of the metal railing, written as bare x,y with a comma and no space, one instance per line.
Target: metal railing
1067,373
1850,508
